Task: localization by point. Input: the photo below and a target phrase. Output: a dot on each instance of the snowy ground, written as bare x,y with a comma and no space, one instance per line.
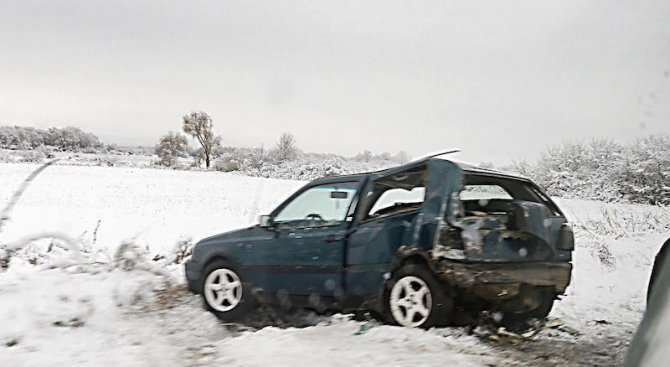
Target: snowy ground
95,310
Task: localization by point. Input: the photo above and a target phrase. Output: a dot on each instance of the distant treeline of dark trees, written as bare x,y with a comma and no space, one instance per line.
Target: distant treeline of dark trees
60,139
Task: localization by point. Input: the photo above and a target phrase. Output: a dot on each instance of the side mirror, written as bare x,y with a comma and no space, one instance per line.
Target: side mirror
265,221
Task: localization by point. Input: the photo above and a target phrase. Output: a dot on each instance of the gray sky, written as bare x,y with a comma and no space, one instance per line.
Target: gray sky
498,79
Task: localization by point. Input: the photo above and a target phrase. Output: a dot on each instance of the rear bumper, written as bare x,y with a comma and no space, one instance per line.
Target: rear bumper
502,281
193,272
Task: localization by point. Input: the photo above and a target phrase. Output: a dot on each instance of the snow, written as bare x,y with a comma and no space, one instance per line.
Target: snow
611,273
95,313
153,206
62,318
337,345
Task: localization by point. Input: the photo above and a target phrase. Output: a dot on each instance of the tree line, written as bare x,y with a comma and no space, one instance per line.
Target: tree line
200,127
61,139
601,169
280,161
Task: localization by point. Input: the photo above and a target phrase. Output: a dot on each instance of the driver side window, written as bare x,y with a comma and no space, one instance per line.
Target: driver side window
323,205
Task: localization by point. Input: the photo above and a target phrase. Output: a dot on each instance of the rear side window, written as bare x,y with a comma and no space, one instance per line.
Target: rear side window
483,188
396,198
397,193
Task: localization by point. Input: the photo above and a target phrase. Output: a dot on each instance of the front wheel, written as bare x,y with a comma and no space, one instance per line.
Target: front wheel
416,299
223,292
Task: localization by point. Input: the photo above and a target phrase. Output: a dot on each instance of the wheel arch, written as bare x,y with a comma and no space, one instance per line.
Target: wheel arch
406,255
418,262
220,256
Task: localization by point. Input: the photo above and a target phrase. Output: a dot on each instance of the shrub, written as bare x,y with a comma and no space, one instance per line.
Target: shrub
170,147
603,170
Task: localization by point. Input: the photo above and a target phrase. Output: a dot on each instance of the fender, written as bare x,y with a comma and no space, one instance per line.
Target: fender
411,254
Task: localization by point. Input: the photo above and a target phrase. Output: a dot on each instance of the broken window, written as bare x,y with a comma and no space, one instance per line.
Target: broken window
484,192
397,193
488,194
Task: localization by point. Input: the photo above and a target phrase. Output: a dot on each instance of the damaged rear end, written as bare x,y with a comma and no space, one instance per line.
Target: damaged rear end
501,242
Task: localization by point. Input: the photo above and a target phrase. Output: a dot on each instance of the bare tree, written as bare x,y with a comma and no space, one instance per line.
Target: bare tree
170,147
199,125
286,148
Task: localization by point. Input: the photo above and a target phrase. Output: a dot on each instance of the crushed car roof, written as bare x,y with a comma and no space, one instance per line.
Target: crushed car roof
389,171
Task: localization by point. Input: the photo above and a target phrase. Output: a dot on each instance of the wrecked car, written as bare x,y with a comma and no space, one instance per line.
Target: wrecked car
420,245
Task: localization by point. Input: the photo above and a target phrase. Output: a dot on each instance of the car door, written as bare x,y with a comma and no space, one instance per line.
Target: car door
387,219
312,231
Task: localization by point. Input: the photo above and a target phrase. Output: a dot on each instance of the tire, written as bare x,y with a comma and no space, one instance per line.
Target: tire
224,293
519,320
415,298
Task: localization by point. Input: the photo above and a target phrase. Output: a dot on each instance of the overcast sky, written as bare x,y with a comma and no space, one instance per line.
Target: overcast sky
497,79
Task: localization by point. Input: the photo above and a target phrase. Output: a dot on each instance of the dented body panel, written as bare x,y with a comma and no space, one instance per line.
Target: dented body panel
485,234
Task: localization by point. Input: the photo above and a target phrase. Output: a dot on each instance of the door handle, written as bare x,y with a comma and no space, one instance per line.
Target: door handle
338,238
334,238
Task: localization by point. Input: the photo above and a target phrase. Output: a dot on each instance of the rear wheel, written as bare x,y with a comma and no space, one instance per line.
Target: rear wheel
416,299
223,292
538,306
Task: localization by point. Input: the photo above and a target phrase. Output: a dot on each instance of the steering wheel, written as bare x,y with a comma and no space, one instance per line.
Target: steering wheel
314,216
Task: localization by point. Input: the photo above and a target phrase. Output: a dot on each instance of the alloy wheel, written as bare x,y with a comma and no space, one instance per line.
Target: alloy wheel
223,290
410,301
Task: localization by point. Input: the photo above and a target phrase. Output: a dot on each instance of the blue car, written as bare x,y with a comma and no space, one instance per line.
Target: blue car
420,245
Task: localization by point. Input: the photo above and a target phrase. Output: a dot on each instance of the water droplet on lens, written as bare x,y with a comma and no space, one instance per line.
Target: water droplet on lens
330,284
523,252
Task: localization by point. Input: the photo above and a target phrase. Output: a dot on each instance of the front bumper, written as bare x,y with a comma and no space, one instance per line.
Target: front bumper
193,270
503,281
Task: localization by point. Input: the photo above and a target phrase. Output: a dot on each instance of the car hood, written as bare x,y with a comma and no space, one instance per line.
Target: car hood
226,237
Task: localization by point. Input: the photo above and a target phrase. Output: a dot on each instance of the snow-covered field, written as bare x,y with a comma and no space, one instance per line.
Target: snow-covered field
97,309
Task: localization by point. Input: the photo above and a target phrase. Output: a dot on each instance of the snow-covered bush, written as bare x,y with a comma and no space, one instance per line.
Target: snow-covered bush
129,255
576,169
105,161
65,139
227,163
41,252
71,139
254,159
170,148
285,149
5,257
129,150
230,160
31,156
618,223
645,171
48,249
7,157
604,170
182,252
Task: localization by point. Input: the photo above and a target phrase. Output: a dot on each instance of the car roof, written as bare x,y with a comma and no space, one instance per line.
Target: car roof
408,166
